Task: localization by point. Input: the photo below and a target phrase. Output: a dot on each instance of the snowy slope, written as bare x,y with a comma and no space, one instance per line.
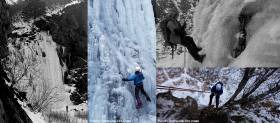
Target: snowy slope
59,8
121,36
11,2
216,28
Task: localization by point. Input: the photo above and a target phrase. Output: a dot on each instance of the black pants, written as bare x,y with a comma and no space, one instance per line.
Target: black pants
187,41
140,88
191,46
217,99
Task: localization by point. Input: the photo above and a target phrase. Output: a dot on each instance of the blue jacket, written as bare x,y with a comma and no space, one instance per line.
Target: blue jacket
214,90
137,78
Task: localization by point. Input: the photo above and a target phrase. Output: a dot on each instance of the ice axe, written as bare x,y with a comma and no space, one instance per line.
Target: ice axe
123,75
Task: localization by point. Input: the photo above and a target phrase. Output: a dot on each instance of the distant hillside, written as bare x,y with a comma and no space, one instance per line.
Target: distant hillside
73,21
17,5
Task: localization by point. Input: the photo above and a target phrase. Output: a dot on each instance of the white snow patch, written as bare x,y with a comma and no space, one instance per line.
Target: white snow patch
59,9
35,117
11,2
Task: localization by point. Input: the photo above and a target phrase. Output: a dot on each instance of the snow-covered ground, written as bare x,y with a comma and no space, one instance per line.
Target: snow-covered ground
59,8
257,114
121,36
11,2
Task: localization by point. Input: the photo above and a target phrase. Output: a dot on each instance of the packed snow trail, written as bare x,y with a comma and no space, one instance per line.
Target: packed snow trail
121,36
216,30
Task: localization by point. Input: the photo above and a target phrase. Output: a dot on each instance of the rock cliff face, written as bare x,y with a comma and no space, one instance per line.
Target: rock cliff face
10,109
4,28
187,109
170,107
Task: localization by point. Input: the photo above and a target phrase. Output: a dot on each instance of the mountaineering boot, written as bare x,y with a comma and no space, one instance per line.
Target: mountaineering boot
188,42
200,58
139,103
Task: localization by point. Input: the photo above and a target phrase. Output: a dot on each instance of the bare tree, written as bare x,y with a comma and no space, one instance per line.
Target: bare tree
19,65
262,77
248,89
23,69
247,75
273,90
44,96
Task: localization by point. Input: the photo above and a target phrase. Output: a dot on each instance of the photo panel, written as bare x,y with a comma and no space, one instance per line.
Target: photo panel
43,61
122,61
207,33
218,95
139,61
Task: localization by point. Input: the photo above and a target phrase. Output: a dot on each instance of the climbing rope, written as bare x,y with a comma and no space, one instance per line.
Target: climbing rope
179,89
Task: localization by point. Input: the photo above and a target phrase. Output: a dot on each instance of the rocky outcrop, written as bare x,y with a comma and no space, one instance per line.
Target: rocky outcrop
212,115
4,28
170,108
10,110
173,108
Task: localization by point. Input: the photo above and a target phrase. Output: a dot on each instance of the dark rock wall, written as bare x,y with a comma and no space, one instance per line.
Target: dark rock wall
4,28
10,110
170,107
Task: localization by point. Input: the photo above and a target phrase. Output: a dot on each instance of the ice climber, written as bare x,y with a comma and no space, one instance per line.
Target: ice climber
216,90
138,78
174,34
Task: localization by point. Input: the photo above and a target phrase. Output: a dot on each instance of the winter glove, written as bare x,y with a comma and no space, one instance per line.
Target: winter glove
124,79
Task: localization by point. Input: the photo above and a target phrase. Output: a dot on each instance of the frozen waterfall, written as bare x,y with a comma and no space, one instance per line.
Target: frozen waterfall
216,30
121,36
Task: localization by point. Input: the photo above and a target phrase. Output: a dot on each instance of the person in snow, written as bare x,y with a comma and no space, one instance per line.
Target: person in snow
138,78
175,34
216,90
